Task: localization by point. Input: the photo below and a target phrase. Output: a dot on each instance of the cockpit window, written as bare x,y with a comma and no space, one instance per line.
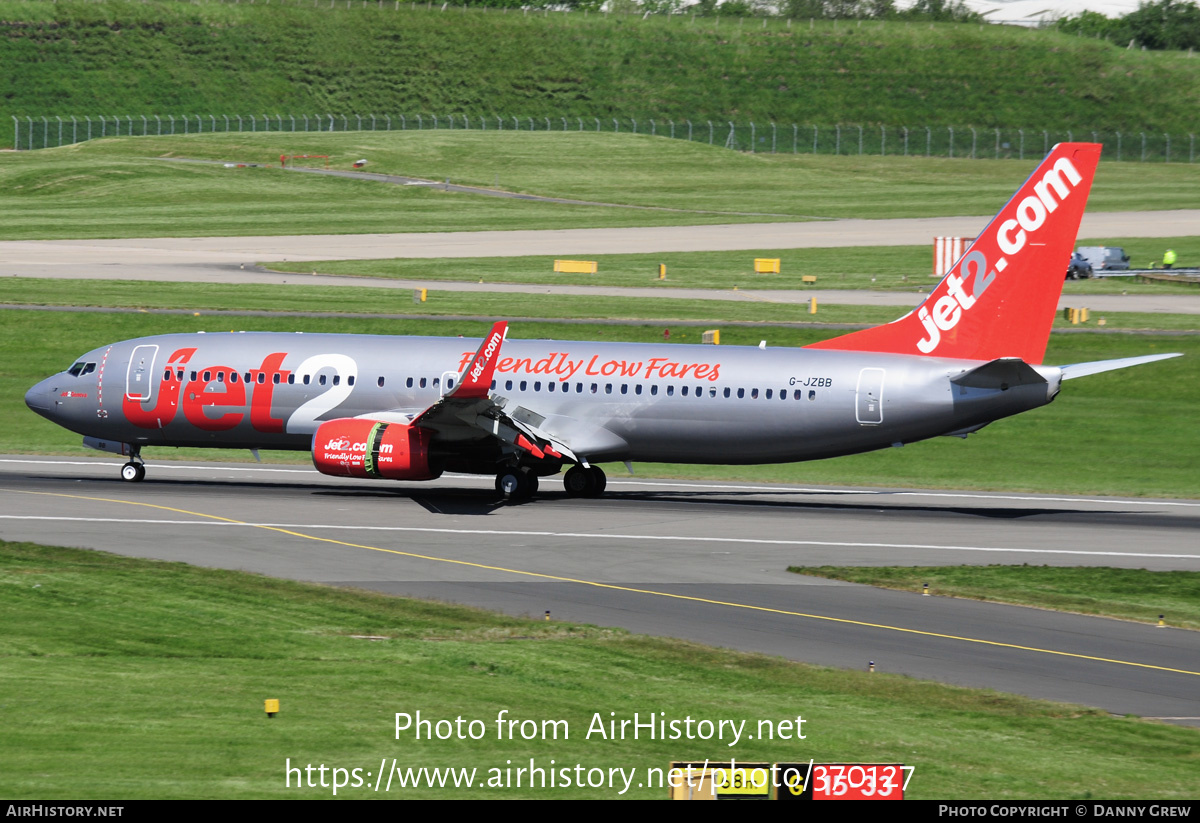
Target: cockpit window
81,368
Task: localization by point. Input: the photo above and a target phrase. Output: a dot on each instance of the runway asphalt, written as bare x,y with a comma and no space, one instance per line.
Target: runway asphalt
704,561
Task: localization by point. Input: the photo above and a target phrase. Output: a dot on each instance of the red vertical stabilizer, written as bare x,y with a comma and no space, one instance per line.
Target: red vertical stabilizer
1000,298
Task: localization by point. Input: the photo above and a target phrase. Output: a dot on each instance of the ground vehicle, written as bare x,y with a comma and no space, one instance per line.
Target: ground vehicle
1078,268
1105,258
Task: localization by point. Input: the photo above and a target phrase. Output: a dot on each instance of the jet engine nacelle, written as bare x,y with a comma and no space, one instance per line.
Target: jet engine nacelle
369,448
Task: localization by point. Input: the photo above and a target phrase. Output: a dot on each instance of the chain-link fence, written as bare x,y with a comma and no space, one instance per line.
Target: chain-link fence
753,136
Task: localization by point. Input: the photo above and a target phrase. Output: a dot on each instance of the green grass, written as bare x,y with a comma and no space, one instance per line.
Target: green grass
882,268
165,700
114,188
1128,594
1129,432
300,299
80,58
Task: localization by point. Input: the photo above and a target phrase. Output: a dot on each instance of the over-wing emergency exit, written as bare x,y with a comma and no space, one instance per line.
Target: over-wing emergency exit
410,408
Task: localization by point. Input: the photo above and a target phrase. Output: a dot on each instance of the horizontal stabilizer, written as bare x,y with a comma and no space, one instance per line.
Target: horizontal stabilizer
1099,366
1002,374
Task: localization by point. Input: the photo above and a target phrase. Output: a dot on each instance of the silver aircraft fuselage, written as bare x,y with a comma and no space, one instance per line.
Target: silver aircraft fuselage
610,401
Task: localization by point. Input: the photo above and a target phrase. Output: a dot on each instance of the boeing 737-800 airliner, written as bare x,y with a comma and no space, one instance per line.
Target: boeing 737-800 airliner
409,408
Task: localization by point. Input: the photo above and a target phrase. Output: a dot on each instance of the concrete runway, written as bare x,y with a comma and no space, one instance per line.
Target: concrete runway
703,561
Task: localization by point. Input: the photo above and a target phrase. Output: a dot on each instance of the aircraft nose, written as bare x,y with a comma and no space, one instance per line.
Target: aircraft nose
38,398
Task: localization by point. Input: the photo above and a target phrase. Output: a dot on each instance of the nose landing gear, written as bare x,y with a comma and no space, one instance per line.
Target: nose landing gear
135,470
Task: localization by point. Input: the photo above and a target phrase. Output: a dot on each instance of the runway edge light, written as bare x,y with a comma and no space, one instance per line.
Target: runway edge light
271,707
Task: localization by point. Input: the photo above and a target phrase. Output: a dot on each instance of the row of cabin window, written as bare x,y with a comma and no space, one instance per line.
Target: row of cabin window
685,391
523,385
276,378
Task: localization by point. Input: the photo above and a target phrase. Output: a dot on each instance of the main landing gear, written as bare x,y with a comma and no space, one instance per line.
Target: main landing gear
516,483
521,482
135,470
584,482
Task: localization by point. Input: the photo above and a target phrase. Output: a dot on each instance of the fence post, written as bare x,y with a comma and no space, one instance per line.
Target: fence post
837,140
89,122
1118,146
239,118
795,136
616,127
200,124
997,143
860,142
814,139
580,119
1070,136
710,132
16,133
358,117
905,140
547,124
1022,133
74,130
59,119
117,122
345,124
213,120
29,120
751,137
951,130
634,125
1143,146
330,116
731,140
772,127
653,128
689,130
45,133
597,119
883,141
973,136
1191,148
1166,156
928,141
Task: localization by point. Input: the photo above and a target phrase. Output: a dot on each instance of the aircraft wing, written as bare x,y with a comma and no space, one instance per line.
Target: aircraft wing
469,411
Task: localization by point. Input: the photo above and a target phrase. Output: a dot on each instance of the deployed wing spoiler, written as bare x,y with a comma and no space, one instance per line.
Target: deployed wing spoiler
471,409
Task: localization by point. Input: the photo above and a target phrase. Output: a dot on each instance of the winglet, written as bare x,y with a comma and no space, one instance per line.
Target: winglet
1019,260
477,376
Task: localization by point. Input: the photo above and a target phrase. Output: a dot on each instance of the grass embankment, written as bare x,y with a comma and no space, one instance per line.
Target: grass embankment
105,701
1128,433
114,188
140,58
1128,594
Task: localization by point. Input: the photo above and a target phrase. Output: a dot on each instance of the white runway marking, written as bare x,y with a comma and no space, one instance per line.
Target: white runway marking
596,535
